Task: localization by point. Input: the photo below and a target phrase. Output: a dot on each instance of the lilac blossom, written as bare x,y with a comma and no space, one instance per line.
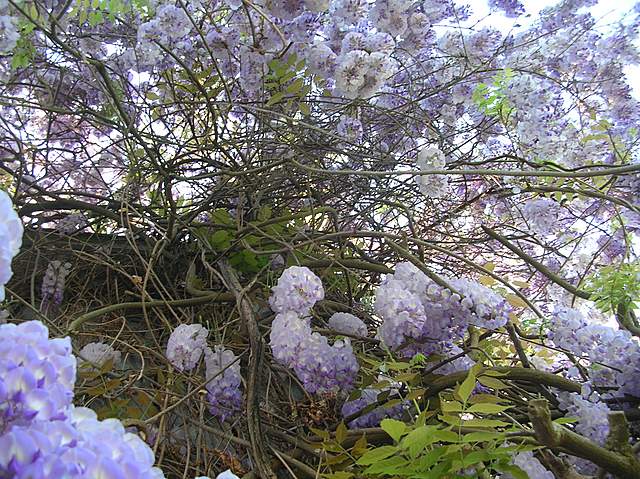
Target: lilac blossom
223,383
11,230
323,368
186,345
37,374
511,8
298,289
434,186
348,324
350,128
376,415
98,354
53,282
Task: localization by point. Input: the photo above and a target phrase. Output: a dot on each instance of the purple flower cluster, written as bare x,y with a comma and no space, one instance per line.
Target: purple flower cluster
320,366
298,289
324,368
42,435
80,447
591,411
347,324
511,8
53,282
223,383
530,465
186,345
616,349
36,374
420,316
350,128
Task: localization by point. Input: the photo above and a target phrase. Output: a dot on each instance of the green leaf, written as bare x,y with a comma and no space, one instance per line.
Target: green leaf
386,466
394,428
566,420
482,436
415,394
341,432
398,366
377,454
220,216
220,240
451,406
445,435
465,389
339,475
515,301
275,99
485,398
484,423
406,377
492,383
418,439
493,373
295,87
304,109
264,213
487,408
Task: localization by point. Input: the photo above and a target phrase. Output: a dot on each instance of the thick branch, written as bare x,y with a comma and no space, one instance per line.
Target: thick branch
557,437
256,344
515,374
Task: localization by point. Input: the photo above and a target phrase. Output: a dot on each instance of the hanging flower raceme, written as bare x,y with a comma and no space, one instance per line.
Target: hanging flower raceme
37,375
11,230
223,383
186,345
422,316
347,324
321,367
298,289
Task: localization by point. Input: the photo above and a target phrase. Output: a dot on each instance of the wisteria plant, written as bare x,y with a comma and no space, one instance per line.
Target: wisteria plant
319,238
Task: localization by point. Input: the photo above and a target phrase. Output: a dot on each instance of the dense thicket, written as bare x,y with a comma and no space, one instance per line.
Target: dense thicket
319,238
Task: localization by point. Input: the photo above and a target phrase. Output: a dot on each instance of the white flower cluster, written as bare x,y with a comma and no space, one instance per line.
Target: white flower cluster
603,345
391,16
97,354
9,33
186,345
347,324
298,289
11,230
360,74
433,186
542,215
288,332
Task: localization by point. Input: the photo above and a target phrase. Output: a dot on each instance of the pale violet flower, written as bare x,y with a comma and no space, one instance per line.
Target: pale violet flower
186,345
11,230
298,289
98,354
